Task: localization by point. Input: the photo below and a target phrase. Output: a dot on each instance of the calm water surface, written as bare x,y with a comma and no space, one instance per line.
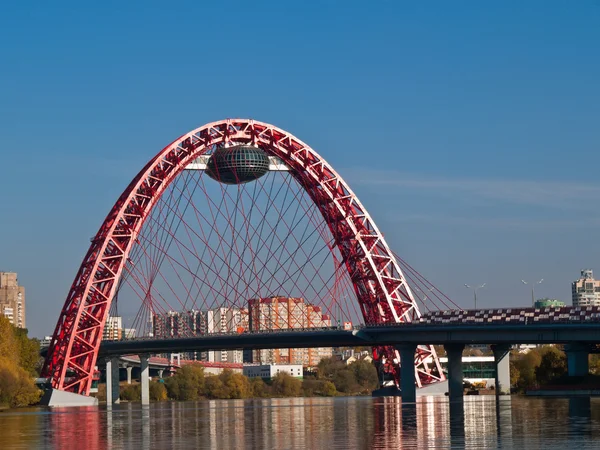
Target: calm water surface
312,423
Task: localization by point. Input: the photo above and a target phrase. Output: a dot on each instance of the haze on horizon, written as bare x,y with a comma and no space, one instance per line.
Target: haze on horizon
469,131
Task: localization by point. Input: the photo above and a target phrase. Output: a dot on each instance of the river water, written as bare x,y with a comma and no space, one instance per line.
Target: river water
312,423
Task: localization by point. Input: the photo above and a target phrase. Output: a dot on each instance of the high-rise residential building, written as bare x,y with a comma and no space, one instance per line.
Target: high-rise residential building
12,299
283,313
226,320
586,290
179,324
128,333
113,328
170,324
197,323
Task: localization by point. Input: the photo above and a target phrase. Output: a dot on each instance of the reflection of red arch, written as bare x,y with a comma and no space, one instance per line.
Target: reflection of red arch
379,284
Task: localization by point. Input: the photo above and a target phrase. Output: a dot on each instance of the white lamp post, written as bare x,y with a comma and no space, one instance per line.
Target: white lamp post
532,290
475,288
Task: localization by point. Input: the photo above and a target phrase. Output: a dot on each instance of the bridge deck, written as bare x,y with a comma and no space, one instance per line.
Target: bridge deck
491,333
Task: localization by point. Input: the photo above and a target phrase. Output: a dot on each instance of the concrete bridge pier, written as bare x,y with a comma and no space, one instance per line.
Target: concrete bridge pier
145,379
455,370
577,359
112,380
502,363
407,372
129,370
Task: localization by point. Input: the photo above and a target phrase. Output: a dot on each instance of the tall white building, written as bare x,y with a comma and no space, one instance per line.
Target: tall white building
113,328
586,290
226,320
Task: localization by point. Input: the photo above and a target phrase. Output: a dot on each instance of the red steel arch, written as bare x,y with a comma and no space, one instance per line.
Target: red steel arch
379,284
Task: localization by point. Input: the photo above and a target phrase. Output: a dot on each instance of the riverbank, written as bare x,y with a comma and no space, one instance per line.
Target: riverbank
333,378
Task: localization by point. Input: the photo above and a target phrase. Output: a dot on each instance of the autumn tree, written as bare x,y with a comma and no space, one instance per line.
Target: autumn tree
553,365
29,351
327,367
328,389
360,376
311,386
515,374
345,381
214,388
188,383
130,393
365,375
9,348
158,391
285,385
235,385
172,386
526,365
17,386
258,388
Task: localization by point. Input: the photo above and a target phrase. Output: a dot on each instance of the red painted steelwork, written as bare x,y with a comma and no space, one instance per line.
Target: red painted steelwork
379,284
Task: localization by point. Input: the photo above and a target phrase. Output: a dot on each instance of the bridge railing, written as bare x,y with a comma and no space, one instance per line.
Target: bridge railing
236,333
508,316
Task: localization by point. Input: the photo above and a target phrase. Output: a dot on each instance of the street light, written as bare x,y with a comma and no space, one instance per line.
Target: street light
532,290
475,288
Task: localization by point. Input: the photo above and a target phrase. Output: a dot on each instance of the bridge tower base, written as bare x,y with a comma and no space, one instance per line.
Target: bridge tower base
112,381
407,372
502,363
455,370
145,379
56,398
577,359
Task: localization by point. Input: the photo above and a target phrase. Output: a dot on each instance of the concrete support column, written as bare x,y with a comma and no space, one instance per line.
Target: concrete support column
160,373
577,359
175,358
455,370
129,369
502,363
145,379
112,380
407,372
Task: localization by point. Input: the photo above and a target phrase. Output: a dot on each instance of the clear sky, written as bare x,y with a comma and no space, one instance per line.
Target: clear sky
470,130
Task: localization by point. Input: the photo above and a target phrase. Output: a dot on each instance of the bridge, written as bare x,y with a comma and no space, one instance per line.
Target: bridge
578,328
240,226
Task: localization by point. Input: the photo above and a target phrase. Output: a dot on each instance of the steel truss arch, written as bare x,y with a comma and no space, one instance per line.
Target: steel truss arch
380,286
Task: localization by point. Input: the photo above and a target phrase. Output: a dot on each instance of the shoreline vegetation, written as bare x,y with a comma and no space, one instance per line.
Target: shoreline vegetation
20,363
189,383
545,367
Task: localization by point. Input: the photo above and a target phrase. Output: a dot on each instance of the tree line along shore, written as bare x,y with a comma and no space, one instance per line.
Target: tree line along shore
332,378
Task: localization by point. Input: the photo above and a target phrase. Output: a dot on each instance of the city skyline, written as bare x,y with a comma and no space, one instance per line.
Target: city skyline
474,151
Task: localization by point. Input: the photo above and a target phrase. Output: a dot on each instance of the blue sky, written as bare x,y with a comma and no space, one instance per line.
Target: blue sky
470,130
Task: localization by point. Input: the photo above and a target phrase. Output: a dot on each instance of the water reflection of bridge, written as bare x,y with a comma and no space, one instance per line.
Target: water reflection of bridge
316,423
